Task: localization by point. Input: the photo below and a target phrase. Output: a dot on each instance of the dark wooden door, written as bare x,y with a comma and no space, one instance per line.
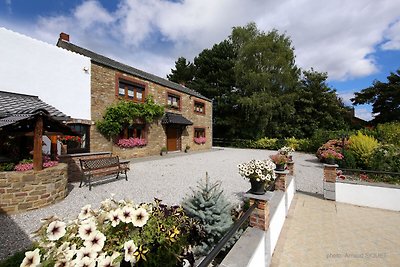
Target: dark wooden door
172,139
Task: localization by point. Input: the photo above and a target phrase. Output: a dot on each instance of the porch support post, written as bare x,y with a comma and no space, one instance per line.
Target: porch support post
37,145
53,149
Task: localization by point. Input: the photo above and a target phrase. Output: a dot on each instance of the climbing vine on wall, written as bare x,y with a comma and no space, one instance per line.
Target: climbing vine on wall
125,113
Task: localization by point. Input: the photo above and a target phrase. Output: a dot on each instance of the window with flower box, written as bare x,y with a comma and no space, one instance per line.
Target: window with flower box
199,107
133,136
174,101
199,135
131,91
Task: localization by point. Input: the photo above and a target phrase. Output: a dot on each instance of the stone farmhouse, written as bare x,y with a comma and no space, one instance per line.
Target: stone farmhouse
187,119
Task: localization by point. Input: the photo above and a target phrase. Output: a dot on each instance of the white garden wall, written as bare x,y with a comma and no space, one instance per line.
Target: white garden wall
279,207
373,196
255,247
59,77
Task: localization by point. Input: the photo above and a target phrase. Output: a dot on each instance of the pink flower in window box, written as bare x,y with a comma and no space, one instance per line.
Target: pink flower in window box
200,140
131,142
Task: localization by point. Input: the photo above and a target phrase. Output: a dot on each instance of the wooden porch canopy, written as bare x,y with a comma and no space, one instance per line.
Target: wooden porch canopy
36,123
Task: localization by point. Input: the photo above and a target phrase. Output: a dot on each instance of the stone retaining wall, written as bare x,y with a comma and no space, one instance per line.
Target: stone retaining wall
28,190
74,173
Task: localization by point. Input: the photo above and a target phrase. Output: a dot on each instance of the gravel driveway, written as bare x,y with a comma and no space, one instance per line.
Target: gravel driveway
168,178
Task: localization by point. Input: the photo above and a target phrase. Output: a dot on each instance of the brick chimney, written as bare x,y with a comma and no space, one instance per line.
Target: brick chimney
64,37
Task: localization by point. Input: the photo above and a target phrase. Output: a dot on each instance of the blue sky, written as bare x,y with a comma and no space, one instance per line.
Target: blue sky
356,41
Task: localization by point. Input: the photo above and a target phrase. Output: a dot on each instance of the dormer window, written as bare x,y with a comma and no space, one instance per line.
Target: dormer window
174,101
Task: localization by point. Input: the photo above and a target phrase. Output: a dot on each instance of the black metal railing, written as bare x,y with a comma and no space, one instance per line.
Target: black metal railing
214,252
371,175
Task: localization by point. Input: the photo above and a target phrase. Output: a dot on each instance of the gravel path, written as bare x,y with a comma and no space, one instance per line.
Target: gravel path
168,178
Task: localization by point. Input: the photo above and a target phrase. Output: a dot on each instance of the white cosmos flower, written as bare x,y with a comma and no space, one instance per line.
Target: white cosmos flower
130,248
85,212
85,252
85,230
95,242
56,230
114,217
32,259
140,217
126,214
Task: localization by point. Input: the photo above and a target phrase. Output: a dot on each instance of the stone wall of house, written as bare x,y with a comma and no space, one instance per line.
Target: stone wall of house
103,86
28,190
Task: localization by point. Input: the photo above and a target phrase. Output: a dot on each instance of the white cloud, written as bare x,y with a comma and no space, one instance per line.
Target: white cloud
339,37
364,113
393,37
346,96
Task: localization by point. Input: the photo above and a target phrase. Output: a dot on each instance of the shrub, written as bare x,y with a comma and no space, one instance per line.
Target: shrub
265,143
293,143
298,144
389,133
304,145
349,160
386,158
362,146
7,167
320,137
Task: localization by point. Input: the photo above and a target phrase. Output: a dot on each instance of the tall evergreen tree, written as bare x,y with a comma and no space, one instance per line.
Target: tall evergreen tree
183,72
317,105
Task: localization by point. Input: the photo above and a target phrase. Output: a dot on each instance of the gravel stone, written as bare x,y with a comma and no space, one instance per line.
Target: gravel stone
169,178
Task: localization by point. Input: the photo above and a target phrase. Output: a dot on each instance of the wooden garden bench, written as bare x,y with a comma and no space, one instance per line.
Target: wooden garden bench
101,167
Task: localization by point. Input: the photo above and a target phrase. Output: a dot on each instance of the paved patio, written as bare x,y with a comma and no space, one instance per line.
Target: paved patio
320,232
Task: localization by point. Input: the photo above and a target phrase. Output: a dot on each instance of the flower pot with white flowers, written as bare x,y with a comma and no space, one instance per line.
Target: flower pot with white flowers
260,173
287,151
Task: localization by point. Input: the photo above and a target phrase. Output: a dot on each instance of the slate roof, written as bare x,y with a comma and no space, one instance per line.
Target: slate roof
173,118
26,123
127,69
12,104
